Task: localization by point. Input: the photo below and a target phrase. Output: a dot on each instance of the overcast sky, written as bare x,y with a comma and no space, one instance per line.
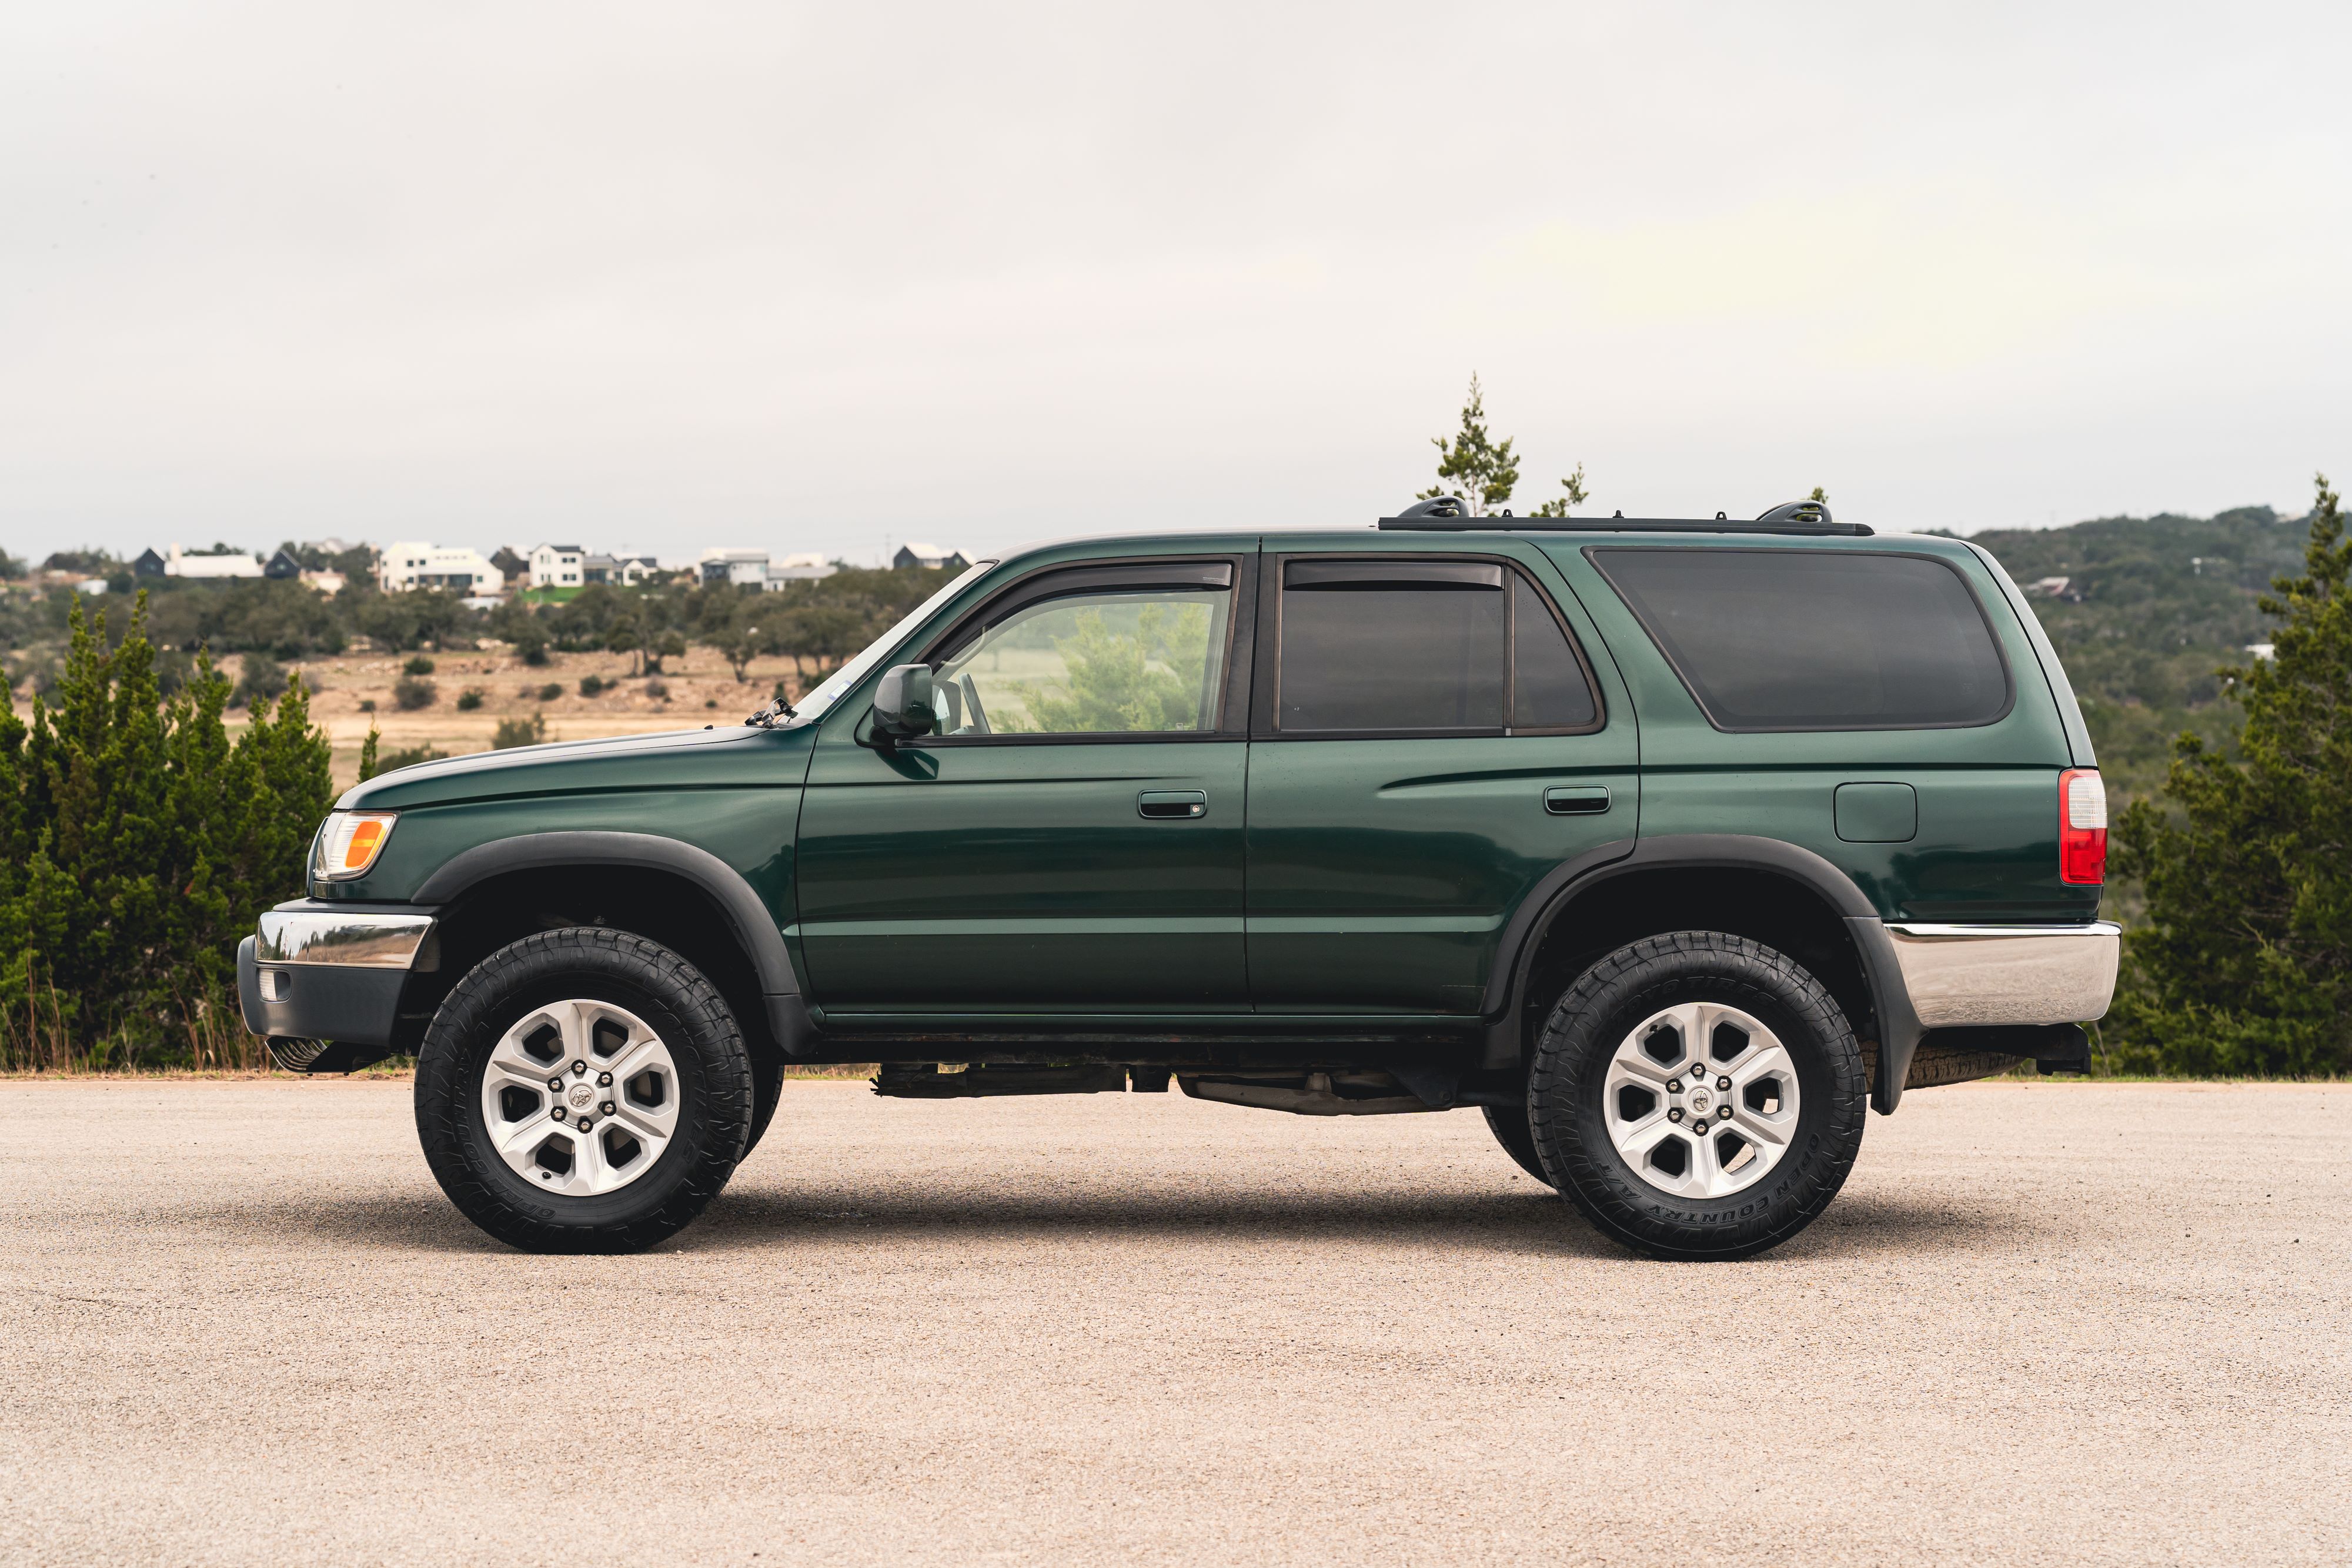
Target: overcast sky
669,275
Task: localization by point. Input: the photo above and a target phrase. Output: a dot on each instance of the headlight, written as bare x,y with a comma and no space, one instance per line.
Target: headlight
349,844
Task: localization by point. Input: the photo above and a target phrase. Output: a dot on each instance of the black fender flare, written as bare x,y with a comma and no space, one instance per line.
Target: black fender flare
754,926
1898,1025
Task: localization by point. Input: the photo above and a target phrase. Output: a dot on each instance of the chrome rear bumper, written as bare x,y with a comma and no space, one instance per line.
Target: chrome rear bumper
1967,975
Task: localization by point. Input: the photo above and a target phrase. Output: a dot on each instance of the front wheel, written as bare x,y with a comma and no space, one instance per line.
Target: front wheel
1699,1096
583,1091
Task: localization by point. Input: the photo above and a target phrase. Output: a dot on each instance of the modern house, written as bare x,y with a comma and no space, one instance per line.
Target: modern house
148,564
757,569
799,567
282,567
931,557
179,563
619,569
414,563
557,566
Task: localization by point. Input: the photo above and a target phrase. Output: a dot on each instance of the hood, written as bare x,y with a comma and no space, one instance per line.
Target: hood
732,754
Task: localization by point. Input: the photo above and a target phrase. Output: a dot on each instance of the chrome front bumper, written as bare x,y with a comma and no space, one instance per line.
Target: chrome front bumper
313,973
1968,976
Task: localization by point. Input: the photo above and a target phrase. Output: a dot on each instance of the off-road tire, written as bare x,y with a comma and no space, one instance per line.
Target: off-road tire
1612,998
767,1091
674,999
1509,1125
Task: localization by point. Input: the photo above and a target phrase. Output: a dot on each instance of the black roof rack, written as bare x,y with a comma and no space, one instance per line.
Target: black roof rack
1447,515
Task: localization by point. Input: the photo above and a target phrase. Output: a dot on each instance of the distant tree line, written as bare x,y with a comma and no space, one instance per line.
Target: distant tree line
814,623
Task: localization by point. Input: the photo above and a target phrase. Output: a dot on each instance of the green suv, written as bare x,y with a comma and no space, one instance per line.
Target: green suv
1666,844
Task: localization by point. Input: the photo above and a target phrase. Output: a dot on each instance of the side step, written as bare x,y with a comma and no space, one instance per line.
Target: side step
924,1081
1314,1095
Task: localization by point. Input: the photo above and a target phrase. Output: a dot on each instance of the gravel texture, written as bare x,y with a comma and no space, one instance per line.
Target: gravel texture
2043,1323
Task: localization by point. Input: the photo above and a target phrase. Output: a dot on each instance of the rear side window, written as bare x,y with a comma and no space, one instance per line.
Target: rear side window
1404,646
1790,639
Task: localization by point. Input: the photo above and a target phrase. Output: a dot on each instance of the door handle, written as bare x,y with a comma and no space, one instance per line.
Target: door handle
1172,805
1576,799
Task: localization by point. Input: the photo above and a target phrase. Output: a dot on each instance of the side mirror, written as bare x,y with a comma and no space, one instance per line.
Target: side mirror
902,702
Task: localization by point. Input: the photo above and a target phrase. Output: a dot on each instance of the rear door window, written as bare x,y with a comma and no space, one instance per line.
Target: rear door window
1412,646
1816,639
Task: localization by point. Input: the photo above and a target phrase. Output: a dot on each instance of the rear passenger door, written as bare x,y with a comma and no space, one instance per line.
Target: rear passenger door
1429,737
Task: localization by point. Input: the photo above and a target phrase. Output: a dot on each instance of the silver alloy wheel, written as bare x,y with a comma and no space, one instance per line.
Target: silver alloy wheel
580,1097
1701,1100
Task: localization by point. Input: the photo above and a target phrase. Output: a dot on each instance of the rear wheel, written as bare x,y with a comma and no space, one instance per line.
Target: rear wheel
1698,1095
1509,1125
583,1091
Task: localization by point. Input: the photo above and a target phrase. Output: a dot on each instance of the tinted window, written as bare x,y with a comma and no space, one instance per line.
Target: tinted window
1817,639
1367,646
1091,663
1549,689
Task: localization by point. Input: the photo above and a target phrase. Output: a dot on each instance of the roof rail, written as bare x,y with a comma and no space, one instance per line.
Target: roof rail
1444,514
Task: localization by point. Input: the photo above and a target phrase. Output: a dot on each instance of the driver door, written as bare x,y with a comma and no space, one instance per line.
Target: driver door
1069,838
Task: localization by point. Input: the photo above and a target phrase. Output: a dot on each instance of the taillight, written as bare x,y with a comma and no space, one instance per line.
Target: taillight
349,844
2082,826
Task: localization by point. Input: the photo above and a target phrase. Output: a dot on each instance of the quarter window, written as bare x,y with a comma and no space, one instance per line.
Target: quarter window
1818,640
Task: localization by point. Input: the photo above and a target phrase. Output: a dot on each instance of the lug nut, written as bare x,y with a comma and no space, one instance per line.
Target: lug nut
578,1068
1723,1115
603,1079
586,1122
606,1107
557,1112
1675,1115
556,1085
1723,1083
1676,1087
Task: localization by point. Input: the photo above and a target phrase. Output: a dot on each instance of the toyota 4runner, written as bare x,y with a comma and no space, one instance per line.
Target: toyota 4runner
1667,845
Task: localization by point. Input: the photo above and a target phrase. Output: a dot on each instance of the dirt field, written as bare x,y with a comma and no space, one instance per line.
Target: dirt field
2044,1323
701,689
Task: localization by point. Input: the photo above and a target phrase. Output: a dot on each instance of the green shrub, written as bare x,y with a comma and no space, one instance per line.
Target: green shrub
593,685
419,665
367,704
2243,963
409,694
514,732
550,692
409,757
469,699
262,679
138,842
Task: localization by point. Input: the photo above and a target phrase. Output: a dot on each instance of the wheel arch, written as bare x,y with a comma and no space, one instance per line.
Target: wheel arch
1769,890
665,890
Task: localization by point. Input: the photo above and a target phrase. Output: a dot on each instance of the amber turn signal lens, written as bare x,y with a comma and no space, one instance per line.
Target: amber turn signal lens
350,842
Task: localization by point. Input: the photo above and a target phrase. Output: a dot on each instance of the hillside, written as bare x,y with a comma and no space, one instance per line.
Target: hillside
2151,607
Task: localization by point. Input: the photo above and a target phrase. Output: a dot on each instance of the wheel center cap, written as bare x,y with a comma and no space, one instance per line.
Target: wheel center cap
581,1095
1700,1101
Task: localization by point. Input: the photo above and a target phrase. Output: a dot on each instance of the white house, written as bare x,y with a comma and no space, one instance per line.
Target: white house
414,563
622,568
557,566
737,566
180,564
799,567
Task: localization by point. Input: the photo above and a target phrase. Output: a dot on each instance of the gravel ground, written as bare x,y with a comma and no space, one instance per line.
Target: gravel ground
2044,1323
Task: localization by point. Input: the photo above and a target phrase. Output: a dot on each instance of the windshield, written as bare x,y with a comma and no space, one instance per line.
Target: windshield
813,705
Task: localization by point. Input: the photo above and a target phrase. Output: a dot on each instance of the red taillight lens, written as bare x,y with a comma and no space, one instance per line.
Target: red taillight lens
2081,827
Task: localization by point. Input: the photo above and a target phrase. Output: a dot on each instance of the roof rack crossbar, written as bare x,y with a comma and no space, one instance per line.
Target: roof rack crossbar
1448,516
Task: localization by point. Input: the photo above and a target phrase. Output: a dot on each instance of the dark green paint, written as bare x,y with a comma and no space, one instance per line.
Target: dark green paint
1329,883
